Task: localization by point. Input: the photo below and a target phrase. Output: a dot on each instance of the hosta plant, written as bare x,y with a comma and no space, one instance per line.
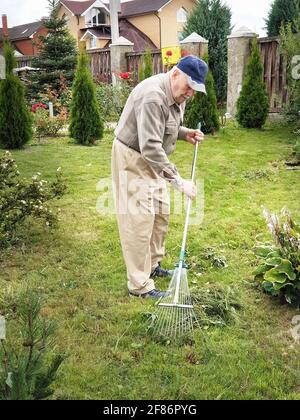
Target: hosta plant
279,263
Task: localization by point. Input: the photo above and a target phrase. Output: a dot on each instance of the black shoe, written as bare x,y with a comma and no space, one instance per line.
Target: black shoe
153,294
160,272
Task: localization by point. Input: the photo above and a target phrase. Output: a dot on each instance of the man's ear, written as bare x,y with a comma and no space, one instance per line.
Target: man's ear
175,73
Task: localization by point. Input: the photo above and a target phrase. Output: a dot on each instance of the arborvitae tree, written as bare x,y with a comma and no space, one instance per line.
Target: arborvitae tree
86,123
253,103
146,67
281,13
212,20
203,108
15,117
57,55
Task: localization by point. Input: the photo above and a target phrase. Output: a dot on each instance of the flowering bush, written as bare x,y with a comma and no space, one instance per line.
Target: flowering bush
44,125
20,198
38,105
112,99
124,76
279,265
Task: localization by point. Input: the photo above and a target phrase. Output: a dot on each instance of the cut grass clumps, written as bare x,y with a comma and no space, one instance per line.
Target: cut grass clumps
215,305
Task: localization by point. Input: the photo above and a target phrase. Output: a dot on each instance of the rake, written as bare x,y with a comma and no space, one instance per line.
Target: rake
175,314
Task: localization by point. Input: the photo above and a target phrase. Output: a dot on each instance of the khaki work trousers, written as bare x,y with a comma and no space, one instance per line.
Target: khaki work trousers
143,208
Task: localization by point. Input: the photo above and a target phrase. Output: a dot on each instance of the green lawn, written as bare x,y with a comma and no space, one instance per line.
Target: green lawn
79,271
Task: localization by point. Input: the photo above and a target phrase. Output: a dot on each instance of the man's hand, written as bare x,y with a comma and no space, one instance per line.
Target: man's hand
193,136
189,188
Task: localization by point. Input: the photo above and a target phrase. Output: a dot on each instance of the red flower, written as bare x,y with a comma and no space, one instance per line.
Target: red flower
124,75
38,105
169,53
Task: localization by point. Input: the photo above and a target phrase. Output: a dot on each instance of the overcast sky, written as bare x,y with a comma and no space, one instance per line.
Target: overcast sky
244,12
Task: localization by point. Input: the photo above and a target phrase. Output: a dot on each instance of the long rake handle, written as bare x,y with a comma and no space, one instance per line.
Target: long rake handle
186,226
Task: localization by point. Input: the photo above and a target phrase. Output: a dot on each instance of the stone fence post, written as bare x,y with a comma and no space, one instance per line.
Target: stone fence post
118,60
239,44
195,44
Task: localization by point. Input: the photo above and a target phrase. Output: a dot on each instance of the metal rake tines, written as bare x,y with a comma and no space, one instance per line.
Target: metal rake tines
175,313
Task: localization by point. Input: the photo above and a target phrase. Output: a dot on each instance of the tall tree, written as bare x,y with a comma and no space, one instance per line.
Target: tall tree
86,123
57,56
282,12
253,103
15,118
212,20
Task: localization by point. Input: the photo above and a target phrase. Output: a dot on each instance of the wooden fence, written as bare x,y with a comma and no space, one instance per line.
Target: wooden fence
275,72
100,65
134,60
275,69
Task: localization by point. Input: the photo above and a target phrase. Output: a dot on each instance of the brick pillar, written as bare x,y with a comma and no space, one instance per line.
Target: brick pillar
239,44
118,52
194,44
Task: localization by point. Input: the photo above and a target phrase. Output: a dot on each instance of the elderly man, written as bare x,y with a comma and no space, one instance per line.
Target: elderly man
146,134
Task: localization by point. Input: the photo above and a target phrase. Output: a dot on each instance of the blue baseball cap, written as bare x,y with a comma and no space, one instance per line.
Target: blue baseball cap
196,71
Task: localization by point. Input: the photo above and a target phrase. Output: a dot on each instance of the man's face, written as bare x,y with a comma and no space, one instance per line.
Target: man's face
181,90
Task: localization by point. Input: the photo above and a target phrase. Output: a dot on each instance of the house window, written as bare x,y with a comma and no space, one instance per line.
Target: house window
66,18
93,43
182,15
96,17
180,36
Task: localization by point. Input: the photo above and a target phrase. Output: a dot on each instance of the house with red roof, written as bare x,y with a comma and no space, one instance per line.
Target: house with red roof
148,24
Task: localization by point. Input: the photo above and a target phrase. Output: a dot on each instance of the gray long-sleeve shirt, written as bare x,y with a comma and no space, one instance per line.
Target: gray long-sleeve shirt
151,123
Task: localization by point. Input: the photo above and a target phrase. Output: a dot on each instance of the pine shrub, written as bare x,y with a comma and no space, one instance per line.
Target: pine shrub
253,102
15,117
212,20
146,67
56,59
26,370
281,13
203,108
86,123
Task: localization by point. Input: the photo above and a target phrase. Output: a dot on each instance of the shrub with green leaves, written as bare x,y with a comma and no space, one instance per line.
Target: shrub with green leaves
279,263
15,117
253,103
146,66
290,48
203,108
44,125
86,123
112,99
21,198
26,370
